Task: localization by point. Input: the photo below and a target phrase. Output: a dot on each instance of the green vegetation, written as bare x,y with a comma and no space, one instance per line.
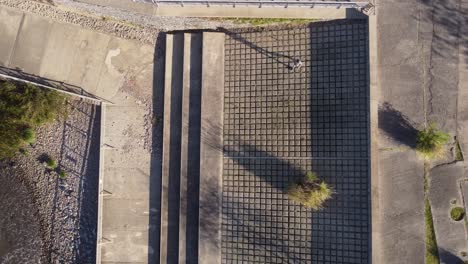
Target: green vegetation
23,151
24,107
432,252
310,192
458,152
62,174
430,142
457,213
28,135
266,21
51,163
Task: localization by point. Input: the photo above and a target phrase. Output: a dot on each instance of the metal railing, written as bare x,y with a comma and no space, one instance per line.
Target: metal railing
20,76
263,3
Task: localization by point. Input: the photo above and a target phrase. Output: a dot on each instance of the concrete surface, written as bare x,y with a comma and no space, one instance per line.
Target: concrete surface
419,78
445,187
228,11
462,115
117,70
9,25
211,148
170,199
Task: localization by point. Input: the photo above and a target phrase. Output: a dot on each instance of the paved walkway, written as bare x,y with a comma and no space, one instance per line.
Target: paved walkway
420,73
117,70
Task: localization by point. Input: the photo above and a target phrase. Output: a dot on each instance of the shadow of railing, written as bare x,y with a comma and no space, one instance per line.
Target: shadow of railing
79,158
156,153
285,60
19,75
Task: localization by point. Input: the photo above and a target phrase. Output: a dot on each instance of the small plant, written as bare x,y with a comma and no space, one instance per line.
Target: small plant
463,254
310,192
458,152
430,142
457,213
28,135
432,251
23,108
51,163
23,151
62,174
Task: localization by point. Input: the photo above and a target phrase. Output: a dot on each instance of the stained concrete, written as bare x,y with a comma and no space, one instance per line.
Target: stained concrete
445,188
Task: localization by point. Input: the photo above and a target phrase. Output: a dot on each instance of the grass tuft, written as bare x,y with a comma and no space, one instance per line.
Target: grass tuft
457,213
51,163
310,192
29,135
432,252
62,174
458,151
430,143
23,107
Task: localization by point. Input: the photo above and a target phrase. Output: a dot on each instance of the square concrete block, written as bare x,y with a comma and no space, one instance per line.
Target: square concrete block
9,25
31,44
90,52
60,52
124,214
127,182
125,247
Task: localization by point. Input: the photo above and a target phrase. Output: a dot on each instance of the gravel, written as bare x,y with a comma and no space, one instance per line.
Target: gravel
120,23
48,219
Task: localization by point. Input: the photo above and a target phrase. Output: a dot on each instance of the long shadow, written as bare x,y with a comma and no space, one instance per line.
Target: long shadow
156,154
397,126
448,257
285,60
250,157
246,220
79,159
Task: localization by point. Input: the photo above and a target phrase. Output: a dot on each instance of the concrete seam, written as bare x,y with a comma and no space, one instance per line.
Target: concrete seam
101,184
16,39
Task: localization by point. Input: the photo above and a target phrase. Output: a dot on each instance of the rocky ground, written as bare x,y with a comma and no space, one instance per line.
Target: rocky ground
42,213
113,21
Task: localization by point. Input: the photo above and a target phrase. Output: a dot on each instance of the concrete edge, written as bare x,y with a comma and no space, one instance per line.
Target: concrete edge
374,96
318,12
165,151
184,148
211,148
101,184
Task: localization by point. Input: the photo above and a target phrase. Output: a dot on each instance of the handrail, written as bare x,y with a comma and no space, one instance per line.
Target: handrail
263,3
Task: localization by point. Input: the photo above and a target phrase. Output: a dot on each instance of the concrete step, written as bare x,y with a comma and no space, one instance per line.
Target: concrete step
192,148
171,148
211,148
190,151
